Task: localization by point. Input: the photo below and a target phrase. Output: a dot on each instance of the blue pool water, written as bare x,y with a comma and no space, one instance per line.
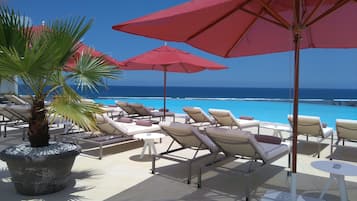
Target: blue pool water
271,111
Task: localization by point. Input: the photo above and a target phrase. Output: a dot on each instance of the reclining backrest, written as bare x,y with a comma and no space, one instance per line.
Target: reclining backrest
197,114
108,126
308,125
223,117
346,128
23,112
140,109
126,107
188,136
15,99
8,115
232,141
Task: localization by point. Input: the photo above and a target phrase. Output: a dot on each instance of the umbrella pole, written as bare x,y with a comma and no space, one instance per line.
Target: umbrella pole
297,40
164,93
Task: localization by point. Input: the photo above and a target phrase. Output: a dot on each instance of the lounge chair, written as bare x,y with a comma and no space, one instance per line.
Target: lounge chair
346,129
22,115
130,111
15,99
188,137
8,118
147,112
110,133
198,117
27,98
227,119
236,143
312,126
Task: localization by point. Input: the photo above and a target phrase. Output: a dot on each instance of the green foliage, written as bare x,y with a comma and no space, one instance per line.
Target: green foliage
39,60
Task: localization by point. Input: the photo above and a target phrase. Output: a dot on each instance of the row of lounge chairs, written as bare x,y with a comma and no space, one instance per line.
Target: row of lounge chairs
219,117
307,125
217,146
223,143
140,111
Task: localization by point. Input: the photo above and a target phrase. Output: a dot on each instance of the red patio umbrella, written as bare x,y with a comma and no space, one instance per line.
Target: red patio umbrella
169,59
82,48
232,28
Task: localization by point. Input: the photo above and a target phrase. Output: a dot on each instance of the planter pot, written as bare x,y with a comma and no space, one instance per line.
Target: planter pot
40,170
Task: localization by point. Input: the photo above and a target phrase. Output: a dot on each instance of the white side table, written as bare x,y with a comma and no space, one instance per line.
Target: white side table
149,141
277,129
338,171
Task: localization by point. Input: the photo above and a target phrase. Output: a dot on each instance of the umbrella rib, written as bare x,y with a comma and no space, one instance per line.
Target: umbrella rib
264,18
329,11
274,14
218,20
245,31
313,11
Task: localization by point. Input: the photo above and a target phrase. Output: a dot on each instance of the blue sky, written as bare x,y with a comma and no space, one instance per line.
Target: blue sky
320,68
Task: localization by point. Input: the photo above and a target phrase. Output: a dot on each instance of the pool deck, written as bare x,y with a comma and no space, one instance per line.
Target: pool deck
122,175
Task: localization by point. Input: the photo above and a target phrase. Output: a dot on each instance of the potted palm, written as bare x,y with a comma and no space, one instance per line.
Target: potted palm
38,59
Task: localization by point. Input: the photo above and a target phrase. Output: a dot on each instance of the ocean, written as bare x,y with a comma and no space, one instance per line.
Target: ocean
222,92
265,104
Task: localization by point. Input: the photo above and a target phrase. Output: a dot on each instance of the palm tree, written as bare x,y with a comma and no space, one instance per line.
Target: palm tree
38,59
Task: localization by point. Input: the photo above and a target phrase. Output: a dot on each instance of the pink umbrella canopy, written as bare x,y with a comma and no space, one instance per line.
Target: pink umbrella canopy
169,59
84,49
233,28
81,49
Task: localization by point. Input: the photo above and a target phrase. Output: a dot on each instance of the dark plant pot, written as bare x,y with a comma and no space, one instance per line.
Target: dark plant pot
41,170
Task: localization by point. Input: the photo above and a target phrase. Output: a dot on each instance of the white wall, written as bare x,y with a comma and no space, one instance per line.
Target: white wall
8,87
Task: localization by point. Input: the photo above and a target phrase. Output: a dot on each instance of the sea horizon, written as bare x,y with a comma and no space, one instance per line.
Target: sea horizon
315,95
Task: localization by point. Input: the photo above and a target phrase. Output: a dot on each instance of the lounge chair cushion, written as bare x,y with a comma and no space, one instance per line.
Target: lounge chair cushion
125,120
143,123
246,117
268,139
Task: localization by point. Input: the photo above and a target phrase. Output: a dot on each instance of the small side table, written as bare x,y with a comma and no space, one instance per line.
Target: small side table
277,129
149,141
338,171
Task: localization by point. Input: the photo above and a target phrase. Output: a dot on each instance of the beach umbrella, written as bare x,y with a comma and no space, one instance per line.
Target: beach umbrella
233,28
168,59
81,49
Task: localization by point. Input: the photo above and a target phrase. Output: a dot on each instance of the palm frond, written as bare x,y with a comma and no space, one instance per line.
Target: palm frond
90,72
80,113
14,30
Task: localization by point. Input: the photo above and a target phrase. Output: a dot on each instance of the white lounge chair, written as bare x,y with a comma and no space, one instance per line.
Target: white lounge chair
188,137
110,133
147,112
130,111
236,143
227,119
9,119
346,129
198,117
312,126
15,99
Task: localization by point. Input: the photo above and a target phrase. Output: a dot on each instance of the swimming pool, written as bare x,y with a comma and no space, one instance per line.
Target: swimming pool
271,111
